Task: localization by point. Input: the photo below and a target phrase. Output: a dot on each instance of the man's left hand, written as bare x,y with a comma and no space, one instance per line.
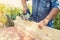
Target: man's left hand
43,23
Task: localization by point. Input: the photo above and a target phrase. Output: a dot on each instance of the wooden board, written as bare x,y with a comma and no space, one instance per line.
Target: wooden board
28,30
32,28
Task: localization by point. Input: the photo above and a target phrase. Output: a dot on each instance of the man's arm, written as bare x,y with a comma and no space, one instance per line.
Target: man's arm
24,3
55,9
52,14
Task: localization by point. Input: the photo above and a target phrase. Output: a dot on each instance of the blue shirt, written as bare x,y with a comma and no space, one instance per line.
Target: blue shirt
41,8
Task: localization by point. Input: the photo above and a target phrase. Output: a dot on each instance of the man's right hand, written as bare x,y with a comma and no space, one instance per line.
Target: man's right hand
24,6
24,10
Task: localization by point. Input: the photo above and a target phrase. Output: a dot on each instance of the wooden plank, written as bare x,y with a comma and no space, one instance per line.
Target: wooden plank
28,30
32,28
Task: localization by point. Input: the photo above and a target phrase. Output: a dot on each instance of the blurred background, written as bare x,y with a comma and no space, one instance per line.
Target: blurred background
11,8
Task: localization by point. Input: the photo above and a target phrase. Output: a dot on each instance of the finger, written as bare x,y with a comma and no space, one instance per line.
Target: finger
40,26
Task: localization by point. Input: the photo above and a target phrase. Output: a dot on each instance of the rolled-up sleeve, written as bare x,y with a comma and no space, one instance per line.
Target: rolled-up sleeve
55,3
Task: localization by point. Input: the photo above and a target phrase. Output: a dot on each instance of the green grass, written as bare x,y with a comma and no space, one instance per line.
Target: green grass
57,22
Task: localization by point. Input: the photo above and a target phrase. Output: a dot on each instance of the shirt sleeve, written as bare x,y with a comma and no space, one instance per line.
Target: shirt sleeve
55,3
59,4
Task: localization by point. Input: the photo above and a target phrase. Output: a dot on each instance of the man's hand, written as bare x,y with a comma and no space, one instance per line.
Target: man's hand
25,9
24,5
43,23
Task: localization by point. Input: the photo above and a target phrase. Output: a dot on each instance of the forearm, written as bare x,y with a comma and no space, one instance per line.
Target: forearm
52,14
24,3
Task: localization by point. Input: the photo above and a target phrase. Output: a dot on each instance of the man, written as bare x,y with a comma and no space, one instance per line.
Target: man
43,11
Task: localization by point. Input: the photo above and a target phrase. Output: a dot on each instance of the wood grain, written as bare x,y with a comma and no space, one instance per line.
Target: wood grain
28,30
